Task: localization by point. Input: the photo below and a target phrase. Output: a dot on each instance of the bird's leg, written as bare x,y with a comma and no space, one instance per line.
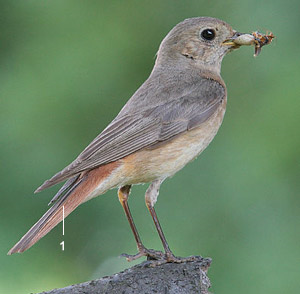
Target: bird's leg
151,198
123,194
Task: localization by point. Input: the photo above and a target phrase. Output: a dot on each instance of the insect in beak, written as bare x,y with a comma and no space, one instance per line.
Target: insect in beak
256,38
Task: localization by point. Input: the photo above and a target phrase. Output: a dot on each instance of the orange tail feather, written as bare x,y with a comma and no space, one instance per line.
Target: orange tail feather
76,195
50,219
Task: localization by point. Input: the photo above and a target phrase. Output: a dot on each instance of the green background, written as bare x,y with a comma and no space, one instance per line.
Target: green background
68,67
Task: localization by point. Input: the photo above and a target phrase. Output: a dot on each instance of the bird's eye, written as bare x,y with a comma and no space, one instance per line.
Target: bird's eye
208,34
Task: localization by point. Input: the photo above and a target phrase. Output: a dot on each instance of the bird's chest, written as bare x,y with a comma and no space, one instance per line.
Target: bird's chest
168,158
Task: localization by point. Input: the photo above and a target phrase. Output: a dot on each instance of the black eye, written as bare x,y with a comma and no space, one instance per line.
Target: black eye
208,34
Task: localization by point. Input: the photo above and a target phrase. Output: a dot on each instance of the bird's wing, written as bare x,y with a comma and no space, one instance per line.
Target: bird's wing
134,131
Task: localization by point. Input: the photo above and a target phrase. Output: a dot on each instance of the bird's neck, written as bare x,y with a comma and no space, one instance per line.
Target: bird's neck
187,63
190,67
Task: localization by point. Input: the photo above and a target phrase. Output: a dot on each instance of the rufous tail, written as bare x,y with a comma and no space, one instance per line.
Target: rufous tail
74,192
70,200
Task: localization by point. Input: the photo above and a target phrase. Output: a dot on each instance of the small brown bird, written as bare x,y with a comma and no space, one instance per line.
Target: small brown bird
169,121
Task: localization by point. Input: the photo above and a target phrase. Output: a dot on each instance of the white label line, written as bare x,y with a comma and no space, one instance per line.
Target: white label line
63,220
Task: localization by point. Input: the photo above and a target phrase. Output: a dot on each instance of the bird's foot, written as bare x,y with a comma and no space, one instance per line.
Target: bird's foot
149,253
155,257
170,257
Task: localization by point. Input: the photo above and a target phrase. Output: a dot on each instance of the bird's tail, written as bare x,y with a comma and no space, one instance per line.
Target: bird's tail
75,191
70,200
71,195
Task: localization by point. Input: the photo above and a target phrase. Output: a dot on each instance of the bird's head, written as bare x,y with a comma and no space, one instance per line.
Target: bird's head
198,41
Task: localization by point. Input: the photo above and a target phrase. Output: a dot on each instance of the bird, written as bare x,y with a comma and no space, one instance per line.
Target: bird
167,123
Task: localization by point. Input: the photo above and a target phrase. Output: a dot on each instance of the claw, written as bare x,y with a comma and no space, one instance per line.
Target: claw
149,253
156,257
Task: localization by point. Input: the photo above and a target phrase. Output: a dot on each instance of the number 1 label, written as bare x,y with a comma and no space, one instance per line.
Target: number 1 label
63,232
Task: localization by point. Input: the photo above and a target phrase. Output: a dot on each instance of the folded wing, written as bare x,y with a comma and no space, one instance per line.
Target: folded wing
130,132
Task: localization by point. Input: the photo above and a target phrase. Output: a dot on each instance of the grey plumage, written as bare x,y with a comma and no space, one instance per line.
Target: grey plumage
176,97
172,112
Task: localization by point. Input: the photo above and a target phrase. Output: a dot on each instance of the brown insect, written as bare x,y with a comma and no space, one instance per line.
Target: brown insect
256,38
261,40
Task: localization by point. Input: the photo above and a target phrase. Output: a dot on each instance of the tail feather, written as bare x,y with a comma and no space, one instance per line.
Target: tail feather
64,174
68,187
74,192
70,200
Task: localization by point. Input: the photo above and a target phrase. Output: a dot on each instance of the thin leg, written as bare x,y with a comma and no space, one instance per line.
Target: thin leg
151,198
159,230
123,194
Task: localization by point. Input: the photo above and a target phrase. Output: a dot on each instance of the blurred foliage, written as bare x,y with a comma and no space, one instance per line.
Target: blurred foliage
67,68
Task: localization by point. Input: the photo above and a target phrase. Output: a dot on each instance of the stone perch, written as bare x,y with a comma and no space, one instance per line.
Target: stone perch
168,278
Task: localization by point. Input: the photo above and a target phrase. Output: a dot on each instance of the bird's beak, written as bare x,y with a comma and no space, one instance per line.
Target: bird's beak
239,39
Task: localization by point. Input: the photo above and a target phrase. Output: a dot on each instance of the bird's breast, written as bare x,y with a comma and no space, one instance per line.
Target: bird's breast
165,160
